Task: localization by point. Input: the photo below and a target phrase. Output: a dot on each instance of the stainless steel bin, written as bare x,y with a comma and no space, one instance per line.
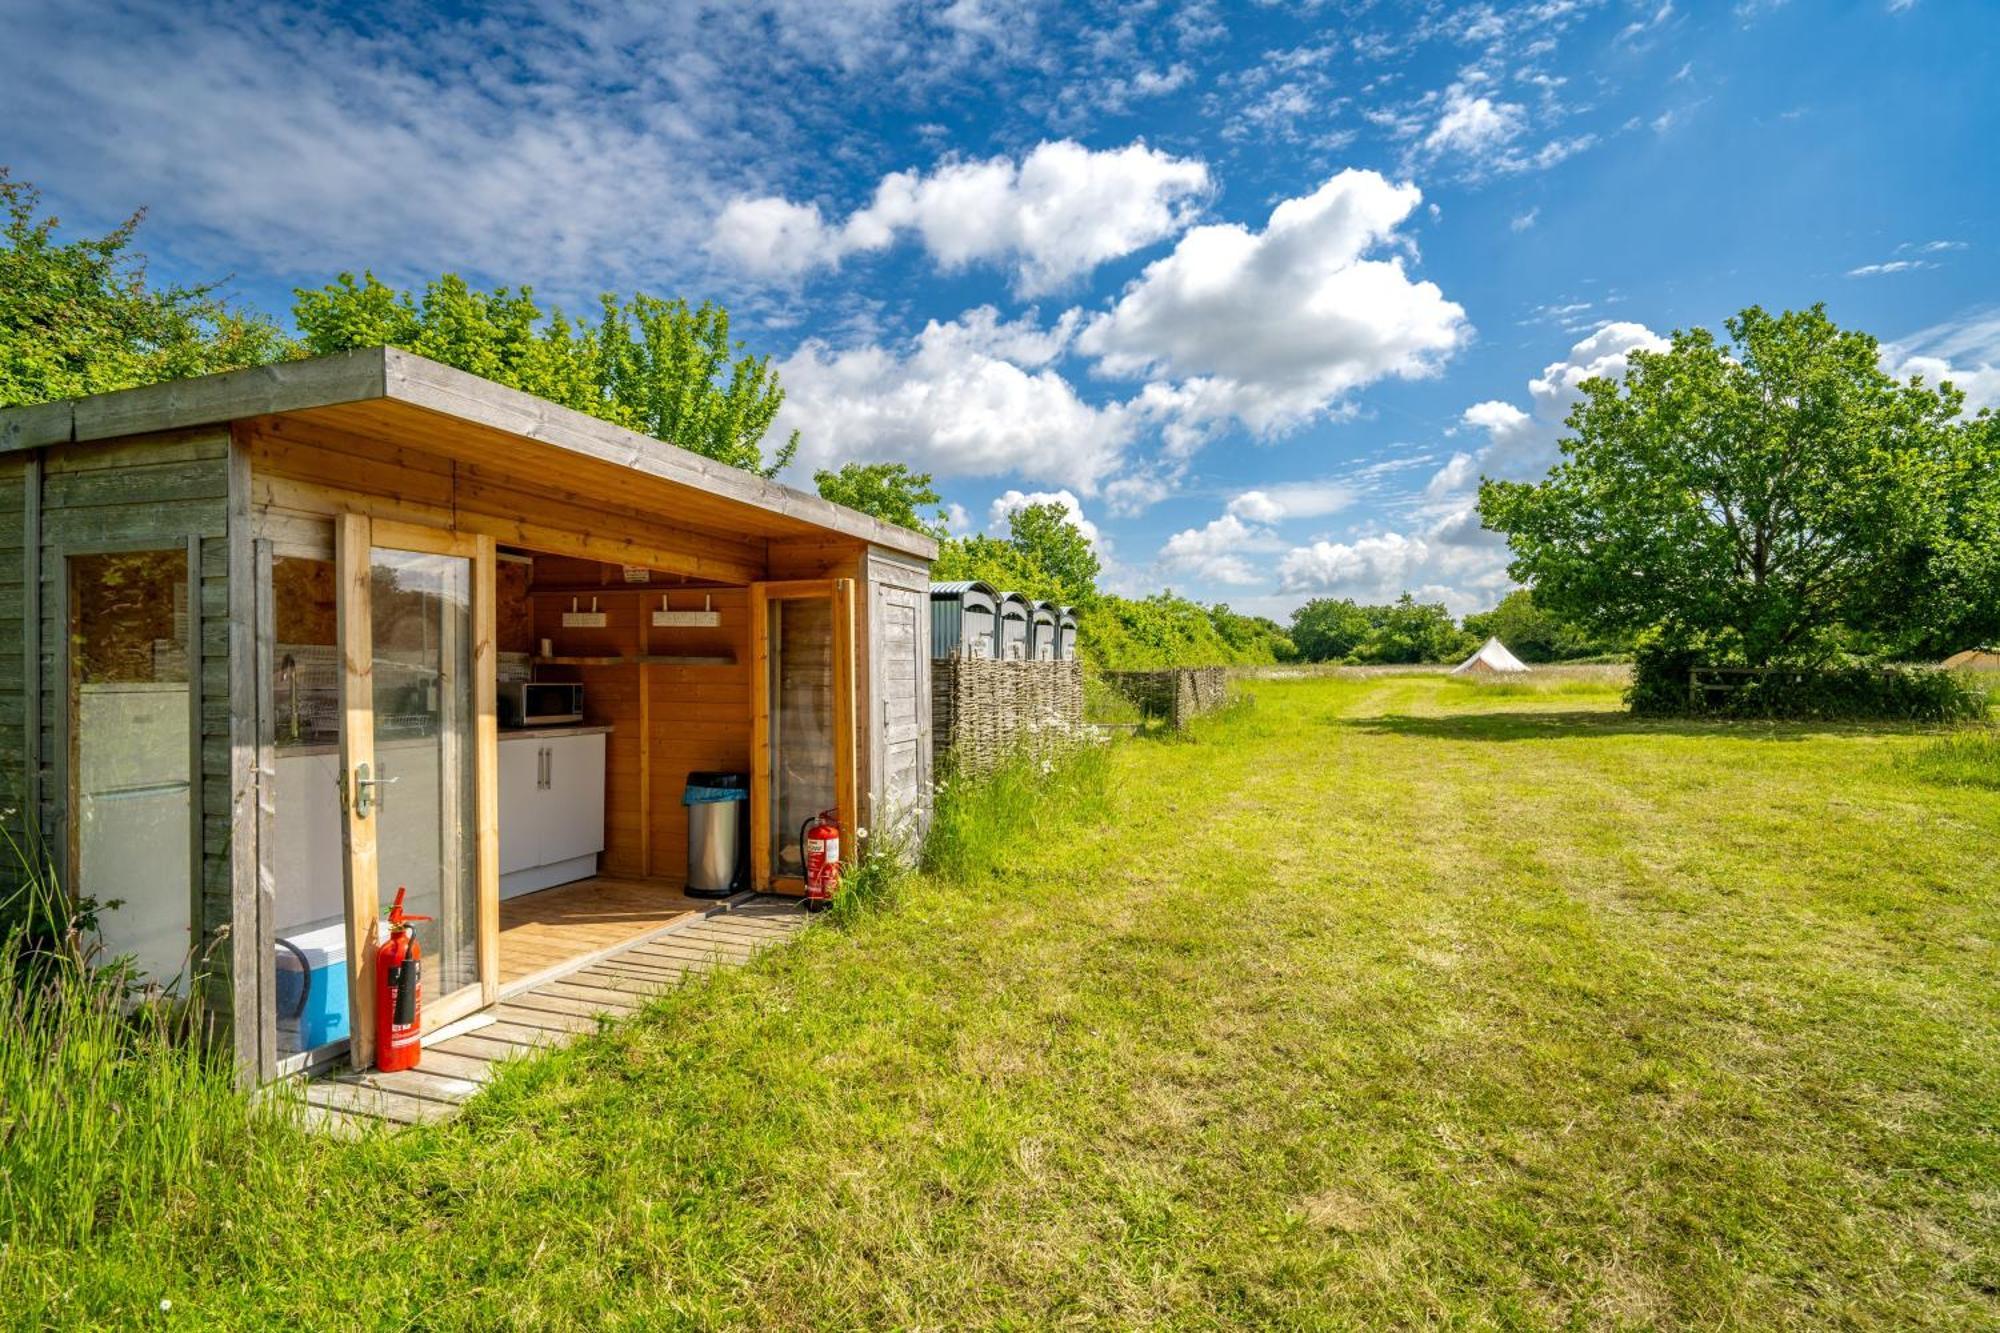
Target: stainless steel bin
718,832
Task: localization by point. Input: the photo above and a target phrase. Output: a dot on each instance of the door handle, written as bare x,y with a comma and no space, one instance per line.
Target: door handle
365,798
549,783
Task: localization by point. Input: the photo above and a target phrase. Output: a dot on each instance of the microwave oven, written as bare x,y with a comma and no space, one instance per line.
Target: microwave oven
539,703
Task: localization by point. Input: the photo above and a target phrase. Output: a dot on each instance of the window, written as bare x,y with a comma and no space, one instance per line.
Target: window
131,731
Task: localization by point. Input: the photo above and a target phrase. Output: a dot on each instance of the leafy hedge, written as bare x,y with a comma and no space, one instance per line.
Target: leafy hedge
1849,693
1166,630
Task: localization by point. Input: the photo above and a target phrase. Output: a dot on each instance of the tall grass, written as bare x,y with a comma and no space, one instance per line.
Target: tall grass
1962,759
111,1109
978,822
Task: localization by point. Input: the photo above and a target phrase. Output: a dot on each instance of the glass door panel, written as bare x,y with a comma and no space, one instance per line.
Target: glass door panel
422,685
802,720
801,683
419,752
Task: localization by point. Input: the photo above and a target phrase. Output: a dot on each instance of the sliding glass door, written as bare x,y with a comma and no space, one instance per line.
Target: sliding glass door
419,758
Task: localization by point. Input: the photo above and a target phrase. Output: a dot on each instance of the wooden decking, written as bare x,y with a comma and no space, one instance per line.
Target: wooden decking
550,1012
549,932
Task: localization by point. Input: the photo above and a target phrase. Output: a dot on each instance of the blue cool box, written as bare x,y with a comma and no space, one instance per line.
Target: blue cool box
324,1017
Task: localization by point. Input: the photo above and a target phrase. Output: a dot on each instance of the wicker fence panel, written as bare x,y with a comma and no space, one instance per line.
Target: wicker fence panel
983,710
1178,694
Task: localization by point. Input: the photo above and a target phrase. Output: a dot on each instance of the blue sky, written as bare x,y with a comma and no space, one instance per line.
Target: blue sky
1260,290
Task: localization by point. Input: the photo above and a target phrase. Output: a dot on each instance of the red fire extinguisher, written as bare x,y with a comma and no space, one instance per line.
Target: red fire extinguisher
819,847
399,993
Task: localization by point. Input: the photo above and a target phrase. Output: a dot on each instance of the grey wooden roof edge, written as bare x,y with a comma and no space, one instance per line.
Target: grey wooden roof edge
422,382
389,373
205,400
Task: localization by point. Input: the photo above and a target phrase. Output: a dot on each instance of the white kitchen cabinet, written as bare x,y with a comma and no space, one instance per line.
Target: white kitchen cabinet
573,778
521,803
551,809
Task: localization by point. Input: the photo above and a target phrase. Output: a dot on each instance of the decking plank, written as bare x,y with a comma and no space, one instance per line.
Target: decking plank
614,984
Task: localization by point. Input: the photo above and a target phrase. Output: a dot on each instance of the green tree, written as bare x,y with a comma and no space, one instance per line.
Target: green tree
889,491
1165,630
1776,498
78,316
1046,534
1532,633
1251,638
660,367
1411,631
1044,556
1326,630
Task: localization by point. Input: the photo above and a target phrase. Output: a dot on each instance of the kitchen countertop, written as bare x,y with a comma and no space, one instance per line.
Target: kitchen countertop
309,748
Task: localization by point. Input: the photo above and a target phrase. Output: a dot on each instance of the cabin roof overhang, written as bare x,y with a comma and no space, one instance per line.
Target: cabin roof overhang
404,397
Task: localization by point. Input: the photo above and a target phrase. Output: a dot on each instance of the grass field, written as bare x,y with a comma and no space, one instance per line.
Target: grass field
1383,1001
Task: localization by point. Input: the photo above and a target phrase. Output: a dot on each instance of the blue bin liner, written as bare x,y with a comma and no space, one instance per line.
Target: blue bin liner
712,795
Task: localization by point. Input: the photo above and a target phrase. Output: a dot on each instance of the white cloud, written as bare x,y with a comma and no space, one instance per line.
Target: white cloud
574,147
1965,351
771,235
1217,553
1008,502
1523,221
1275,327
1459,474
1141,489
1473,125
1522,444
1454,561
1645,25
1293,499
1056,214
970,397
1889,266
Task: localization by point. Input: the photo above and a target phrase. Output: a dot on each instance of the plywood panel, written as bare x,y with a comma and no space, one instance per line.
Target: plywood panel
305,466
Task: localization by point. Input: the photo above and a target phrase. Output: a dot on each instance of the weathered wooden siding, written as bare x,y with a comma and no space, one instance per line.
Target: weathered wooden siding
896,701
152,491
15,519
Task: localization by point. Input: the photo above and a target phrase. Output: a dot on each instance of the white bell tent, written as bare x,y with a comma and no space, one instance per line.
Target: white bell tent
1492,659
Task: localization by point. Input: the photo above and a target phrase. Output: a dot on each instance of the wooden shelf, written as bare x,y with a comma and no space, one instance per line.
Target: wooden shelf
647,659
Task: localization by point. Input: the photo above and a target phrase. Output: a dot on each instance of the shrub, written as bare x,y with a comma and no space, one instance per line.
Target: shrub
1660,666
1857,693
1862,693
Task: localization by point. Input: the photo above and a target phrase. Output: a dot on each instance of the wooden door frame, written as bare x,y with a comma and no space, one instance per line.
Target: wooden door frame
356,537
846,792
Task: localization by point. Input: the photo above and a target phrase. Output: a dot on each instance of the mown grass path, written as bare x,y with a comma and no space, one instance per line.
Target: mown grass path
1384,1001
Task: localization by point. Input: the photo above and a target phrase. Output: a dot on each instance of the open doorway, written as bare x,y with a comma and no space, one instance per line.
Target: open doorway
617,683
612,689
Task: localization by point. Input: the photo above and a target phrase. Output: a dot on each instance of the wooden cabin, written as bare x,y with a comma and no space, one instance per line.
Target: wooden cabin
964,619
293,638
1016,636
1042,631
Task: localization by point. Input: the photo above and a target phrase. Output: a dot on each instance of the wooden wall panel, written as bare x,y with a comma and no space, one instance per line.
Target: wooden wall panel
14,563
692,718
